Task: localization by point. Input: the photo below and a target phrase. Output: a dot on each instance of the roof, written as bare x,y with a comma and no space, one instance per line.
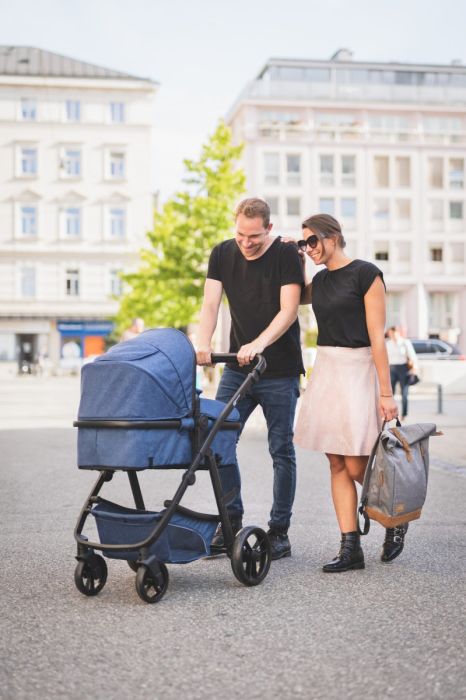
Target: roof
31,61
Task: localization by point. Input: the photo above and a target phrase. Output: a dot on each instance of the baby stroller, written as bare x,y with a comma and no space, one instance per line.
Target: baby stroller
140,410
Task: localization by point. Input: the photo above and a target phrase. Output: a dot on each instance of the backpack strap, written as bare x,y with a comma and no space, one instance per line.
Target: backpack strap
365,483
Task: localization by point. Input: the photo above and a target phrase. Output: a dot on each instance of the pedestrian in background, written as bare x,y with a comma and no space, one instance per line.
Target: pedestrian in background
137,326
403,364
349,393
262,279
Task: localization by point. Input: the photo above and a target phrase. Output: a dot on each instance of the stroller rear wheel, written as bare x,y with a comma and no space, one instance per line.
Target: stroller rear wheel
151,588
251,557
90,575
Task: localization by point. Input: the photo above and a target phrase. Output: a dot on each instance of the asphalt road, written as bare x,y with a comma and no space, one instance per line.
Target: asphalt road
391,631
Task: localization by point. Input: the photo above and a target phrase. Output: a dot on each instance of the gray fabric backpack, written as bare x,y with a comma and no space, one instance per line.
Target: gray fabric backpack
395,481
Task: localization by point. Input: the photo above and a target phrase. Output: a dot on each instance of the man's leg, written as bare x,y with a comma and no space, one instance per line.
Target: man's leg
404,384
278,399
230,477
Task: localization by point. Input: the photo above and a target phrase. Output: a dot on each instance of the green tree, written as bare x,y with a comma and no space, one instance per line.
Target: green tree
167,289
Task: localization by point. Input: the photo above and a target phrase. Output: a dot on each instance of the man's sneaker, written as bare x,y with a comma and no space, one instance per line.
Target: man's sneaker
394,542
279,543
217,545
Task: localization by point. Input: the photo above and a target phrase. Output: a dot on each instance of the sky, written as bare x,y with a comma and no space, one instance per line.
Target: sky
203,52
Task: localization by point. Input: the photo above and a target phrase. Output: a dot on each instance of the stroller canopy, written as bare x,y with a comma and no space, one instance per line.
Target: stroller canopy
150,377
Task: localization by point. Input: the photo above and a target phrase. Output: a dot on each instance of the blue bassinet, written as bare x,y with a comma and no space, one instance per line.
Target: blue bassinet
149,378
139,410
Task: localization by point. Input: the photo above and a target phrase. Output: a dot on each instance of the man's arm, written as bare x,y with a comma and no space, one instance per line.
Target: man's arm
289,303
208,320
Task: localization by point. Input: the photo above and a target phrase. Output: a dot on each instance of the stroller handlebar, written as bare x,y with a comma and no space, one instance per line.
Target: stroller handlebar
217,357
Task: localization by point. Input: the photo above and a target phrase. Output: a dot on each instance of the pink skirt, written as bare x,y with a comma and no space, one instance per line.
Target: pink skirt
339,410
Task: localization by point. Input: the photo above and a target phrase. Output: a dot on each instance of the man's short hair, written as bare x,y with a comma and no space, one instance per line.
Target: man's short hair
252,208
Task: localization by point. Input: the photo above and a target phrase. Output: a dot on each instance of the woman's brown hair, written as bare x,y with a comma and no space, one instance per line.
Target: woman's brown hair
326,226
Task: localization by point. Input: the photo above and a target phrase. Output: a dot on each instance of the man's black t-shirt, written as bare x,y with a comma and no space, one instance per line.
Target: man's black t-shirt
338,304
252,288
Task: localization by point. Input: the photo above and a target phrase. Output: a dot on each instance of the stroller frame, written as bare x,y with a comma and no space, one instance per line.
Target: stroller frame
250,565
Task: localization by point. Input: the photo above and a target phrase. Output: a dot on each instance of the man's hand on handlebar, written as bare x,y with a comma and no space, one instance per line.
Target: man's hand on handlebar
203,356
247,352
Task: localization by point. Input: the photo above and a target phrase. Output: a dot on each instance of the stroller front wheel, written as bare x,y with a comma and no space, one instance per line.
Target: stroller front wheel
90,575
251,556
151,588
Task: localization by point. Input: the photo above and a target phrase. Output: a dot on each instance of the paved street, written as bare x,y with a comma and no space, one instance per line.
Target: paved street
391,631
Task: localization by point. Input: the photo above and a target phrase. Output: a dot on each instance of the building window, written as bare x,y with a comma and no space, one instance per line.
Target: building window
403,171
73,110
29,221
271,168
28,282
117,222
381,171
28,109
117,165
71,222
70,164
327,178
456,173
72,283
327,205
403,209
456,210
381,254
273,204
116,283
457,252
348,207
436,254
293,169
348,171
293,206
442,310
381,212
28,162
117,112
436,210
435,173
404,251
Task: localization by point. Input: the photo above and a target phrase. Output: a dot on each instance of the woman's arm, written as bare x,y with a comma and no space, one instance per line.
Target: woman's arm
374,303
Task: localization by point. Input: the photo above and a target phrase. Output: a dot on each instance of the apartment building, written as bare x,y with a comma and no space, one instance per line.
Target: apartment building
75,202
382,147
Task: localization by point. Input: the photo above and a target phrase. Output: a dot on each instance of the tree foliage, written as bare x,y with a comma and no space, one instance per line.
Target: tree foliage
167,289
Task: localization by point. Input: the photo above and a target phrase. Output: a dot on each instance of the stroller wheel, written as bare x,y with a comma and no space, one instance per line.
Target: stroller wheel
90,575
151,589
133,565
250,558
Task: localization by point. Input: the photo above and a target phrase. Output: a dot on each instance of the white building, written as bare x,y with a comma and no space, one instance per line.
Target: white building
382,147
76,200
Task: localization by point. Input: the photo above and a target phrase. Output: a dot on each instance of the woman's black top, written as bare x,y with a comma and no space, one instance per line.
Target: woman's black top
338,304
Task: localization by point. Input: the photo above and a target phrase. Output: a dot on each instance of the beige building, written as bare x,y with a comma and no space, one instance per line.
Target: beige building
381,146
76,200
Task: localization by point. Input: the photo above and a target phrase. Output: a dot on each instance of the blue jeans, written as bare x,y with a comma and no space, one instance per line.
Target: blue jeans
400,374
277,398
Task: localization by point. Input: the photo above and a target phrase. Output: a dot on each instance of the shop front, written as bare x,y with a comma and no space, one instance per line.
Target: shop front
82,339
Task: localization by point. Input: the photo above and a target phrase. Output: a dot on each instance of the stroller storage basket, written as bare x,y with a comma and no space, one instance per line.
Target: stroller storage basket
185,538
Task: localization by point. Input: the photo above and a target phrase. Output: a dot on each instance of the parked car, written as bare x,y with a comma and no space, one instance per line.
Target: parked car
434,348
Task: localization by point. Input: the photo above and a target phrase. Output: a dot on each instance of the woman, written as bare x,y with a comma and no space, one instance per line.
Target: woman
349,393
402,359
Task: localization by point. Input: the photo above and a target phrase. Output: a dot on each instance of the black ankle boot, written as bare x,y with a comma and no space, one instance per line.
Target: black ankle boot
217,545
350,555
394,542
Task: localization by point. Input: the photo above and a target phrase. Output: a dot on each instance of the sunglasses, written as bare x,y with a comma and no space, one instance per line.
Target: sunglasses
310,242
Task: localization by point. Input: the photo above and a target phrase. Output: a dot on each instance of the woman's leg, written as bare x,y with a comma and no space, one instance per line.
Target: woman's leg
344,497
343,493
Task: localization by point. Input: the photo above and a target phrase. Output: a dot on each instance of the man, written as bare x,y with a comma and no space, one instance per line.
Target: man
136,327
403,361
262,279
